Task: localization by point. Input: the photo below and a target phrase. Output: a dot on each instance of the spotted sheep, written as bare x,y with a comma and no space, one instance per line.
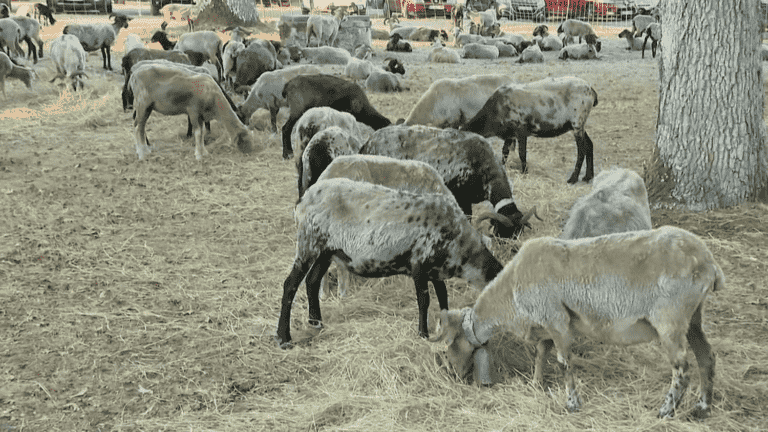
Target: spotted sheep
545,108
619,289
376,232
617,203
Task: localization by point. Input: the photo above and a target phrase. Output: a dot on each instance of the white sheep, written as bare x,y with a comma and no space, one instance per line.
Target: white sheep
532,54
10,36
377,231
640,23
633,43
205,42
229,59
617,203
326,55
578,52
653,31
363,51
99,36
575,28
464,39
480,51
358,69
450,102
443,55
516,40
171,91
132,41
325,28
383,81
10,70
546,41
30,31
69,58
619,289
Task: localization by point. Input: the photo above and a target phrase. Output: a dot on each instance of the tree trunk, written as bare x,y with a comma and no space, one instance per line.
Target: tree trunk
226,13
710,134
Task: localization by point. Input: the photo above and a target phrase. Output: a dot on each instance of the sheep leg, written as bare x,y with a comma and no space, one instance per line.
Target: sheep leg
542,348
140,133
508,144
31,51
290,286
273,111
314,277
287,128
189,127
584,151
676,352
706,362
441,292
422,299
522,141
200,149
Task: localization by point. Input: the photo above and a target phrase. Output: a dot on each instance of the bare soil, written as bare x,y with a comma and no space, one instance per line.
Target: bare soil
144,295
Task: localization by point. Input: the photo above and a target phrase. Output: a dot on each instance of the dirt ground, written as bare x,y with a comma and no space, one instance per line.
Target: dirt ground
145,295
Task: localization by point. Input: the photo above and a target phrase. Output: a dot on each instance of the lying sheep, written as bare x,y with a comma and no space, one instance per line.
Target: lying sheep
450,102
575,28
171,91
69,58
633,43
443,55
363,51
465,161
578,52
505,49
653,31
546,108
9,70
622,289
326,55
617,203
379,34
267,92
480,51
358,69
546,41
516,40
371,228
764,51
325,28
383,81
309,91
396,43
99,36
465,39
394,65
532,54
424,34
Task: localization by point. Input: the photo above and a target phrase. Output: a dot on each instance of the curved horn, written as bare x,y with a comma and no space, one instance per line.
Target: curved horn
527,216
497,217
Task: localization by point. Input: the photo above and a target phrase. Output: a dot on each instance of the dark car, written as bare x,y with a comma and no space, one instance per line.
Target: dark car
101,6
156,5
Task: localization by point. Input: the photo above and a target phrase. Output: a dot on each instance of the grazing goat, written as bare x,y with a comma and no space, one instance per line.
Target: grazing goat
99,36
617,203
653,31
450,102
620,289
532,54
9,70
465,161
308,91
384,82
545,108
396,43
376,232
480,51
259,57
443,55
10,36
326,55
633,43
30,31
69,57
267,92
325,28
578,52
574,28
141,54
171,91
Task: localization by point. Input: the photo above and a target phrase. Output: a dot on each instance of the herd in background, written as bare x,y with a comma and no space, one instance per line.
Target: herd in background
381,198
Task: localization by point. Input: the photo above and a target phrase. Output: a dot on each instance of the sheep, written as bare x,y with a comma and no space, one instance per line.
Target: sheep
640,23
621,289
313,122
574,28
324,147
465,161
43,14
9,70
161,37
308,91
443,55
376,232
132,41
545,108
546,41
358,69
10,36
516,40
140,54
69,57
485,22
23,11
450,102
267,92
617,203
326,55
99,36
505,49
171,91
405,32
397,44
532,54
578,52
5,10
379,34
205,42
325,28
633,43
394,65
383,81
653,31
424,34
363,51
30,31
480,51
256,59
464,39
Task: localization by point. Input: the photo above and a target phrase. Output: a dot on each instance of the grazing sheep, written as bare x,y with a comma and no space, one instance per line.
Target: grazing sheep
10,36
10,70
633,43
309,91
464,160
324,147
619,289
450,102
43,14
267,92
325,28
326,55
99,36
207,43
69,57
480,51
383,81
259,57
443,55
578,52
171,91
30,31
574,28
653,31
532,54
232,49
376,232
358,69
397,44
640,23
545,108
617,203
140,54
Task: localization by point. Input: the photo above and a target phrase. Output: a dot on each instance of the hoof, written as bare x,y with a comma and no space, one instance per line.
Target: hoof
287,157
283,345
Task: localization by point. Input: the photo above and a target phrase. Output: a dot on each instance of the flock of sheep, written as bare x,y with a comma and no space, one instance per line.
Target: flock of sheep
382,199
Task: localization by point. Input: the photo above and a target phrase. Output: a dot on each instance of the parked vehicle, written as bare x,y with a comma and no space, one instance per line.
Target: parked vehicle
586,9
59,6
522,9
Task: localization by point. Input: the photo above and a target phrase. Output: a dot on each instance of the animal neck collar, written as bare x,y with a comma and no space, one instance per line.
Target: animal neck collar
468,325
502,203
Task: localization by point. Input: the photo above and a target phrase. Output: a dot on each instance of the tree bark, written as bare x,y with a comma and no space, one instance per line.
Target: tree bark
225,13
710,134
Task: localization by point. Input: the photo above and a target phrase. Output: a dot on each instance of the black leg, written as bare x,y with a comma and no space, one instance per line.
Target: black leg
422,298
522,142
287,128
314,277
441,292
290,286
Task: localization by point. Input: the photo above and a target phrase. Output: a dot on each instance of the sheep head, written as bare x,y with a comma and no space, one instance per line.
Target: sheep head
120,19
394,66
507,221
462,349
163,26
541,30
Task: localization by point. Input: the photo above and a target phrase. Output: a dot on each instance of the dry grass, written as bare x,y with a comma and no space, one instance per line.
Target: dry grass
144,296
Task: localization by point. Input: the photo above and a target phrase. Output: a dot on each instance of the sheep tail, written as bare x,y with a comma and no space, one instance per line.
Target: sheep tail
719,279
560,28
594,93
